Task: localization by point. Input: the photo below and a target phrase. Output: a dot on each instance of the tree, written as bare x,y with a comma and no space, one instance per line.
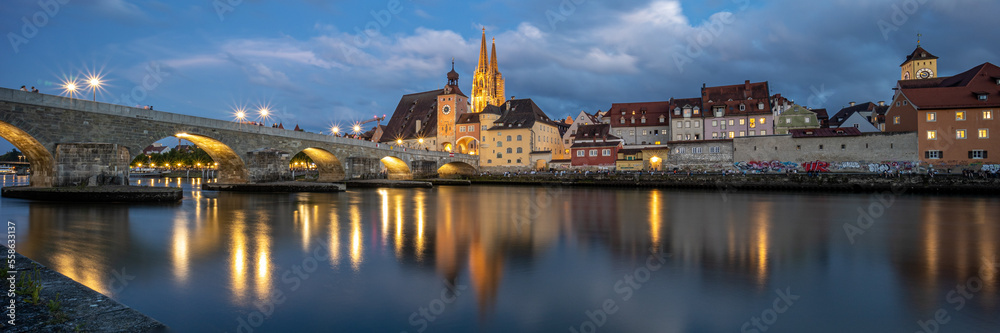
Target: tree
12,156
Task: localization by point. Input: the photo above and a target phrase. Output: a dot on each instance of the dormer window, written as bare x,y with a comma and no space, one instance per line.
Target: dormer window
663,119
760,106
983,97
622,119
718,111
743,107
697,110
677,111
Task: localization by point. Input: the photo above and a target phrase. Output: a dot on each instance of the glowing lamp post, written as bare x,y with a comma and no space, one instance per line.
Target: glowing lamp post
95,83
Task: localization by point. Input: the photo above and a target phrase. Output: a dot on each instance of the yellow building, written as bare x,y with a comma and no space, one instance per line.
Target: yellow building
487,82
918,65
522,130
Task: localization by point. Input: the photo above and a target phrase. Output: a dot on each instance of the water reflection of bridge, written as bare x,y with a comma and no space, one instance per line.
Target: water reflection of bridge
483,233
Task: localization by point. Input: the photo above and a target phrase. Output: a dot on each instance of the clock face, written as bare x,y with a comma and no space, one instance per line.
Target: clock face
925,73
446,109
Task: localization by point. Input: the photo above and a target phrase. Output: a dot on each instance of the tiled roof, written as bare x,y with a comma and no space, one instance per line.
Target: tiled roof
682,102
596,144
520,113
595,131
959,91
419,106
652,110
847,112
919,54
824,132
468,118
730,97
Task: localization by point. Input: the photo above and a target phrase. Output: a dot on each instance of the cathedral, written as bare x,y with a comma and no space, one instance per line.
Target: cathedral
487,82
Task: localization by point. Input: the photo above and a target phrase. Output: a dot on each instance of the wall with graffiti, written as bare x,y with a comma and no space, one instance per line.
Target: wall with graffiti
825,166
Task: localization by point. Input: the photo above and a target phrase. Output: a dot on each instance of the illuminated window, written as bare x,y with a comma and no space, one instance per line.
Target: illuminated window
763,132
931,135
764,121
715,123
931,116
730,122
743,122
959,115
715,135
960,134
753,122
988,115
742,133
984,133
895,120
732,134
753,133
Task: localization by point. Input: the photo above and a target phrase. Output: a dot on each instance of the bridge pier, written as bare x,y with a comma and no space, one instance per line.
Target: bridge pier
91,164
268,165
424,169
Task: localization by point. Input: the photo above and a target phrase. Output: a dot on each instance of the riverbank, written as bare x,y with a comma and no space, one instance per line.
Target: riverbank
858,183
47,301
110,193
279,187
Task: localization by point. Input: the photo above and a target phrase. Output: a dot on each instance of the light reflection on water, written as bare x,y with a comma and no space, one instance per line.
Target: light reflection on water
533,259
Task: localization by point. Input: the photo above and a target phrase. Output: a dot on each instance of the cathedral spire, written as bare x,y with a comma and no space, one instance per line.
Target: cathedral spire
493,57
483,60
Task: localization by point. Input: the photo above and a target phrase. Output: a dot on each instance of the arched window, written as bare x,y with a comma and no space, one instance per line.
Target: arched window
508,150
499,143
622,120
519,150
518,137
743,107
508,138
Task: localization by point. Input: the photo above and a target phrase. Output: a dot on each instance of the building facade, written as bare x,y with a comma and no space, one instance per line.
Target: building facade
794,118
594,146
737,110
520,130
686,120
645,123
427,120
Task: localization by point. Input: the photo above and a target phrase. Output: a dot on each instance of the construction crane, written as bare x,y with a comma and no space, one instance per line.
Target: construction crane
359,125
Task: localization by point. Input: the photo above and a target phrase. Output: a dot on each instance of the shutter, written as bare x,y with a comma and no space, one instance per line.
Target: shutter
927,154
941,154
970,154
984,155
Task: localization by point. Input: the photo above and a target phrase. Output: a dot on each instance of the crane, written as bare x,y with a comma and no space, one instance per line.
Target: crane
358,126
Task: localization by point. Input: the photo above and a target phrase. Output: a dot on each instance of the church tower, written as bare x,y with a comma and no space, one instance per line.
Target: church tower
487,82
918,65
451,104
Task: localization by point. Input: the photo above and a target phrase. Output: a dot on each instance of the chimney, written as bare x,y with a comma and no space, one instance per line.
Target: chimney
746,85
852,103
881,103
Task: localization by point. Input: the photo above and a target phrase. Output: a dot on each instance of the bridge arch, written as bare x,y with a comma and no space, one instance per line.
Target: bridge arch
232,169
41,160
467,145
456,169
397,168
329,166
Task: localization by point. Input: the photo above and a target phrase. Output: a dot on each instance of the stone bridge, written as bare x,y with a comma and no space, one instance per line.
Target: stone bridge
71,142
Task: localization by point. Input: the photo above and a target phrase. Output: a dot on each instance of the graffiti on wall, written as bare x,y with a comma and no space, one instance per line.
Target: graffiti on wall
764,166
991,168
816,166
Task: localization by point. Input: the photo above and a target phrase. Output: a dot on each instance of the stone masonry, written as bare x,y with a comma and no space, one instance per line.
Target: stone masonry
37,123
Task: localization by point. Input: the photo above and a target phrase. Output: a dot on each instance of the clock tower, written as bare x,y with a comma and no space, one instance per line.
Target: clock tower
918,65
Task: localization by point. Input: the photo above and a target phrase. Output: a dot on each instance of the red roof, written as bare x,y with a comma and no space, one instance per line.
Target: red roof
959,91
651,110
824,132
919,54
731,97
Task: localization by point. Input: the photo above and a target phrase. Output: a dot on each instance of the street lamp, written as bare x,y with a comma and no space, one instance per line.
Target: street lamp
264,112
95,83
335,130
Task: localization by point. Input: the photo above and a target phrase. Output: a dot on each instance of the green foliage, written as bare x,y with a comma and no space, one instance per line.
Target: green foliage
12,156
301,157
188,159
55,305
29,284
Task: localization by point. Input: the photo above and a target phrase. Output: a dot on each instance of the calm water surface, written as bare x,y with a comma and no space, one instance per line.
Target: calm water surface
522,259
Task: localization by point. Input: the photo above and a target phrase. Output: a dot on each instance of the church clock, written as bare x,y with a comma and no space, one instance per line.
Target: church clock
925,73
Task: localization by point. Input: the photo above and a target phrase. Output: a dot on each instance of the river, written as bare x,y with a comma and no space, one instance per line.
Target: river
532,259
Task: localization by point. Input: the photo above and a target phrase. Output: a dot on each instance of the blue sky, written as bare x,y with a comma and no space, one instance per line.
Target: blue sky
319,63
